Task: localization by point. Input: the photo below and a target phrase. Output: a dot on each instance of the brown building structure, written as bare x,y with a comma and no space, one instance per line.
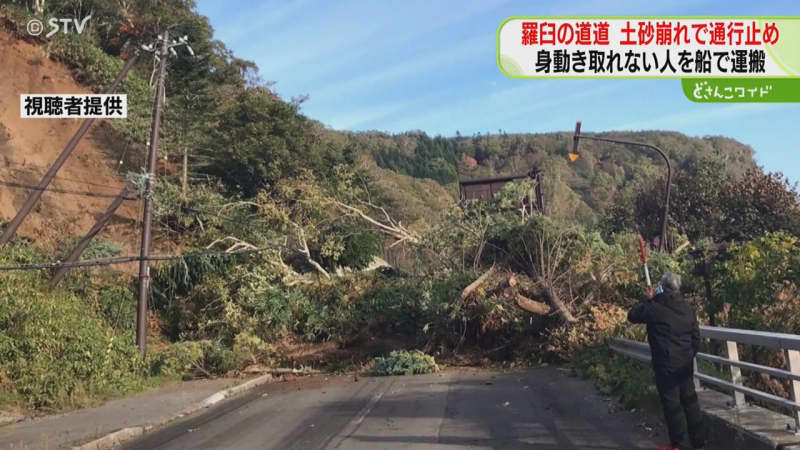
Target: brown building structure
485,188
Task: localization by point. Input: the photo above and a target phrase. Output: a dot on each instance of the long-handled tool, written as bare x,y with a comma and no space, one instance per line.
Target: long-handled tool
643,253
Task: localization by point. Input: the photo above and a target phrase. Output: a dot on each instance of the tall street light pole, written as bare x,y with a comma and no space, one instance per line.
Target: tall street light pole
573,156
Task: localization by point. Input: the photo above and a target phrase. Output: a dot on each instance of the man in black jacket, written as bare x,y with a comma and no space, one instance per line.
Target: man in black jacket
674,338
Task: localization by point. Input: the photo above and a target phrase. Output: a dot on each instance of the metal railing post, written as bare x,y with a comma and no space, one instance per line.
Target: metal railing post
736,373
793,360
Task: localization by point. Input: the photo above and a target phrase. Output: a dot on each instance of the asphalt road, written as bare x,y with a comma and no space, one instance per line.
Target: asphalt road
540,408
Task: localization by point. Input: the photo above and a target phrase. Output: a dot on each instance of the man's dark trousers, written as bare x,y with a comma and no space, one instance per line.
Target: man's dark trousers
681,408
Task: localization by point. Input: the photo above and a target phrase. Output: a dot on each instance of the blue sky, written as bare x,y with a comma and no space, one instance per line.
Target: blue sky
430,65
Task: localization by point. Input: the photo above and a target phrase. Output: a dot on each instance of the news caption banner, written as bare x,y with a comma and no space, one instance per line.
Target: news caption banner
718,59
73,106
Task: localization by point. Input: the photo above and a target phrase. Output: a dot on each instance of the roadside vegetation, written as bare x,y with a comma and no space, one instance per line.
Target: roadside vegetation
319,212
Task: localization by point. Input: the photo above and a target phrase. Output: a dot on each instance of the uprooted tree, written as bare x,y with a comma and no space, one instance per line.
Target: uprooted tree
318,221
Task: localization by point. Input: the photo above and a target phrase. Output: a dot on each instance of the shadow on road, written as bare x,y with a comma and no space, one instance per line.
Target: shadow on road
541,408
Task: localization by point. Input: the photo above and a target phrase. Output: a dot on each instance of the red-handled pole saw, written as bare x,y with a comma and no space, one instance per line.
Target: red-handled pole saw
643,253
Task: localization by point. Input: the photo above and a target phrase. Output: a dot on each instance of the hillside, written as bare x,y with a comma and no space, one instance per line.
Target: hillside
582,190
28,147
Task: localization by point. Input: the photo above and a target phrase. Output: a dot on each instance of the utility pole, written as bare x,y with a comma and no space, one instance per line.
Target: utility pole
36,194
147,217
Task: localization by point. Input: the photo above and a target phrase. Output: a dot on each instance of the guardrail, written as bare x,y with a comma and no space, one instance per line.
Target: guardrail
789,343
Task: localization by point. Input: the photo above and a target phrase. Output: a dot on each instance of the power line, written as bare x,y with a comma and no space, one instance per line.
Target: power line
128,259
23,164
57,177
32,169
61,191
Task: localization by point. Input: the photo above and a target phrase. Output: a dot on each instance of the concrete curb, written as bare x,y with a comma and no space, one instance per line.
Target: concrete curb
116,438
113,439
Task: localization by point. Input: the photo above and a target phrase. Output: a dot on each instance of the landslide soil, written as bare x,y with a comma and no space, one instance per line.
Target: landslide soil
29,146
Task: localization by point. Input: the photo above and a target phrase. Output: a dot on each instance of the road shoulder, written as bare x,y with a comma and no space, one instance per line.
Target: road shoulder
123,417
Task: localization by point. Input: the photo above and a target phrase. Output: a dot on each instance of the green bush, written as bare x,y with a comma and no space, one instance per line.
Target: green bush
335,313
96,67
613,374
179,359
252,348
275,312
188,291
21,251
348,244
98,248
117,304
196,358
346,306
404,362
55,351
203,299
219,359
360,250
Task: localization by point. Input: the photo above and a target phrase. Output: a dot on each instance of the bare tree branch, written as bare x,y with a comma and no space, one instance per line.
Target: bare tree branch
301,236
238,244
394,229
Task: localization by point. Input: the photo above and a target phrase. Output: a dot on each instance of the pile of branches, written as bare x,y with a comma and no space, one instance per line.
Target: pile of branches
519,290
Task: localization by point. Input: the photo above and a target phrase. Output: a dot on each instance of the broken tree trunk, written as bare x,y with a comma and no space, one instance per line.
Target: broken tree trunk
474,285
524,302
256,368
558,305
532,305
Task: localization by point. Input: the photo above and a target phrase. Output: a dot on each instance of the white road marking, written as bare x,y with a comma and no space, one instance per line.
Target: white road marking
358,419
366,409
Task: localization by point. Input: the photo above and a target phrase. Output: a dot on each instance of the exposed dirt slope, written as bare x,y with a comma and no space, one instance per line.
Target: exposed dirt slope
29,146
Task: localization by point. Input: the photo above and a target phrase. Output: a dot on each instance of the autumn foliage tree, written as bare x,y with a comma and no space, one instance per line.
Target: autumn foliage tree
706,202
758,203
